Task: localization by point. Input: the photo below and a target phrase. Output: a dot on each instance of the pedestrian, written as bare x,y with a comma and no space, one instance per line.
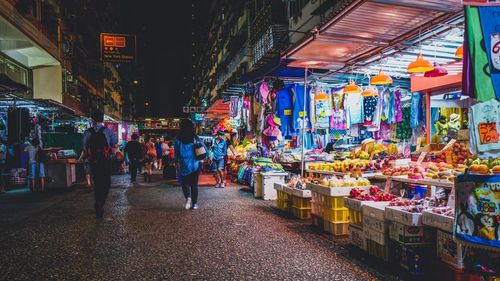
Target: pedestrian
133,150
98,142
149,159
3,165
187,162
218,155
36,164
159,153
165,155
86,168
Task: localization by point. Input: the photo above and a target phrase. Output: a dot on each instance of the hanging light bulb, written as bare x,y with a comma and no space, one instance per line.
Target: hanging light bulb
352,88
420,65
460,52
381,79
438,71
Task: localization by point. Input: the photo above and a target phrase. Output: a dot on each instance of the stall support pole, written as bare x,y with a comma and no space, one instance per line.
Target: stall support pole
428,117
302,168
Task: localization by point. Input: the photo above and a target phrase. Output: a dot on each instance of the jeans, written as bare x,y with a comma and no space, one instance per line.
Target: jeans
101,171
133,167
191,181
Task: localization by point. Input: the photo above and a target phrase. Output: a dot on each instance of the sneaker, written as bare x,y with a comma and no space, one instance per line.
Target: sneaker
222,185
217,185
195,207
188,203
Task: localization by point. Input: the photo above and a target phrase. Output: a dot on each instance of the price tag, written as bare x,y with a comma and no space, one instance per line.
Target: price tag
488,133
495,51
287,112
388,185
449,144
421,157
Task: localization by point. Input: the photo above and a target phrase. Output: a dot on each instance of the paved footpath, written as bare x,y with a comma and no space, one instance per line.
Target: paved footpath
147,235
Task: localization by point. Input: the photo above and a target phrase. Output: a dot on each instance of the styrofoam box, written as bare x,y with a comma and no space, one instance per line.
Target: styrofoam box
268,181
438,221
381,238
374,210
356,237
394,213
300,193
450,252
354,204
375,224
333,191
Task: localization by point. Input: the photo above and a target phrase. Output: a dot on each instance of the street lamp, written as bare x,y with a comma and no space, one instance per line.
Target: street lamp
135,82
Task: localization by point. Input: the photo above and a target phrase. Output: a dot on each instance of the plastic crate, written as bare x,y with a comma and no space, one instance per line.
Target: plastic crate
379,251
336,215
356,217
334,202
282,201
301,203
336,228
316,209
317,221
301,213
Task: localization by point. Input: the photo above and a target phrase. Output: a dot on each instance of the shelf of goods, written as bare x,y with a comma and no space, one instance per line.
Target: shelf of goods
264,184
297,202
328,209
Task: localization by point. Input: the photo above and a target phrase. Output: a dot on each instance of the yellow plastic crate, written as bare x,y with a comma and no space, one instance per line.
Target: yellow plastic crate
316,209
356,217
282,201
302,214
336,215
337,228
301,203
334,202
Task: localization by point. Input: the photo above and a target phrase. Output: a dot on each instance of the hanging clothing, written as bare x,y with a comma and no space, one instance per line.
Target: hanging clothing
353,103
284,106
298,107
484,120
369,106
338,118
397,106
490,17
323,109
416,100
386,106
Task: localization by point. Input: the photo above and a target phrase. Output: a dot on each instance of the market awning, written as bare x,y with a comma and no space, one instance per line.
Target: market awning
218,110
365,28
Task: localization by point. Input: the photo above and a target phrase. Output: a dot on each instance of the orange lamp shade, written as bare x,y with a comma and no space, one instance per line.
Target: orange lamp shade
369,92
381,79
352,88
420,65
460,52
321,96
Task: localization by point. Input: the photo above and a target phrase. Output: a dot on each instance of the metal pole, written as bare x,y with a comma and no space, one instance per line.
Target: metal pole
303,123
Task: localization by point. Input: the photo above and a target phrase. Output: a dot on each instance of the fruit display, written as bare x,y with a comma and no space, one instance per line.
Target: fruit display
346,165
484,167
460,153
346,181
374,194
398,171
298,182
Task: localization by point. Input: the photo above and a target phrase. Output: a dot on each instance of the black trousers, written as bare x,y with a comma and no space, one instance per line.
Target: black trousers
190,186
101,171
133,167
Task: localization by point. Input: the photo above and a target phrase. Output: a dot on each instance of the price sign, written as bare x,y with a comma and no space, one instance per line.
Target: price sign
450,144
488,133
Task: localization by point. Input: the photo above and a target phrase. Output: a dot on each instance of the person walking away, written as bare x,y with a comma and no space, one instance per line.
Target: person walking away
98,142
219,152
3,165
36,164
133,150
165,155
159,153
86,167
149,160
187,162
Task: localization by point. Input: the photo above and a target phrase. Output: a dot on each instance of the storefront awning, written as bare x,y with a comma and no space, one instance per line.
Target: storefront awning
365,28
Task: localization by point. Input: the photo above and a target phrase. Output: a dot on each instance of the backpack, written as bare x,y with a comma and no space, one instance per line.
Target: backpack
98,149
42,156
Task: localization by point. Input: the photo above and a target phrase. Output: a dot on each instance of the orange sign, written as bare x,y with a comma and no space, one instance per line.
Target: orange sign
488,133
118,47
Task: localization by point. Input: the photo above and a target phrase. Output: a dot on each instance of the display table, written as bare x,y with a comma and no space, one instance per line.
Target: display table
62,172
264,184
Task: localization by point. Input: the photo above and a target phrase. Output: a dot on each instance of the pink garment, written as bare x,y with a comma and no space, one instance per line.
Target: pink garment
337,120
264,92
385,131
271,131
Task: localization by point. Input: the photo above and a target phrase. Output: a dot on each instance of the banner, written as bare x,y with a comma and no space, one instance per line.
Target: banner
118,47
477,210
481,2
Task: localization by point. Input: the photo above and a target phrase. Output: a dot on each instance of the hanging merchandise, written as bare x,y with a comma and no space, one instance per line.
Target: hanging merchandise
370,101
284,107
397,106
298,107
416,104
386,104
323,109
338,118
264,92
353,104
403,130
484,125
490,17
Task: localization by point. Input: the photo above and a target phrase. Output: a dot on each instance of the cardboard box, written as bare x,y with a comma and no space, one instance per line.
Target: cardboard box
375,210
415,259
406,234
375,224
381,238
448,250
356,237
438,221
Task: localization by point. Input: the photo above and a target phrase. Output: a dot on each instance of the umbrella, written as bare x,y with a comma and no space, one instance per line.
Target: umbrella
8,85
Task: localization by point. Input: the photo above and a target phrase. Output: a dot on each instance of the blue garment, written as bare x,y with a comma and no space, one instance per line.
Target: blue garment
184,155
415,110
490,16
298,107
219,149
284,107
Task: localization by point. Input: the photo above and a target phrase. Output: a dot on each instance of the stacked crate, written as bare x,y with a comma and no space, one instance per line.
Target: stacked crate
356,234
375,229
301,206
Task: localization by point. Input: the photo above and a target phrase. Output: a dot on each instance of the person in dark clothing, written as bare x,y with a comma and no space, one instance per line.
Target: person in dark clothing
98,142
133,149
329,147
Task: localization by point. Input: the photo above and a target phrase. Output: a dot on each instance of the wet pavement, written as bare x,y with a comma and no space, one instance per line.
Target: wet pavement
147,235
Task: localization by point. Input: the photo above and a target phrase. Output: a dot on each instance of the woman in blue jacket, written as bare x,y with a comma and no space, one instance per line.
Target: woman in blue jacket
186,161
